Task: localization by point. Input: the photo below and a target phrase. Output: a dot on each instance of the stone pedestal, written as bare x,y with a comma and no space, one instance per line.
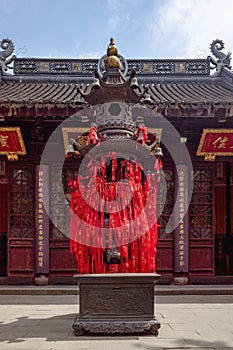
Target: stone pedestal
41,280
116,303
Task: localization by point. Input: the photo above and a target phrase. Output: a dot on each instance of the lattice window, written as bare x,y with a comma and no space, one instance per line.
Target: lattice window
201,205
21,203
59,210
165,202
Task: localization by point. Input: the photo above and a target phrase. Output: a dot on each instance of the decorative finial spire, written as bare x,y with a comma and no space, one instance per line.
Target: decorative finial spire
112,49
112,60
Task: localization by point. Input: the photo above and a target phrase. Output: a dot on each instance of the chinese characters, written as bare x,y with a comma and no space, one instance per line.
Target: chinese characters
40,220
182,213
3,140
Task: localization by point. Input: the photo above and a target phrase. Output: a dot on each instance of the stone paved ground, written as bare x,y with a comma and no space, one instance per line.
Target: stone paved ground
187,322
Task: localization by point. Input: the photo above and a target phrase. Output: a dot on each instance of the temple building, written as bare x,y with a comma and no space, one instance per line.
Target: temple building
187,103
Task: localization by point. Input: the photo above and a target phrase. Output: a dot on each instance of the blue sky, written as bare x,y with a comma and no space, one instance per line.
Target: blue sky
141,28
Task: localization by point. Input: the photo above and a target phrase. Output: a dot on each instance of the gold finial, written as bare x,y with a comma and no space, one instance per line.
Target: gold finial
112,60
112,49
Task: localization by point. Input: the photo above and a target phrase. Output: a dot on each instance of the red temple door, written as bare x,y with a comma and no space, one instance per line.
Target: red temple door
3,221
21,225
223,191
201,245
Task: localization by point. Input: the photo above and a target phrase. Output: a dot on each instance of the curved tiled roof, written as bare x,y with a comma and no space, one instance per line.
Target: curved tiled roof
65,93
190,92
59,94
172,95
32,92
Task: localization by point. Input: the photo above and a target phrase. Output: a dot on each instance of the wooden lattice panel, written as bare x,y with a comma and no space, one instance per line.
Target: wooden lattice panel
21,203
201,205
59,195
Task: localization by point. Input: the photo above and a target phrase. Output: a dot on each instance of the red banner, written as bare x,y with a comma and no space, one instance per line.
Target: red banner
215,142
11,142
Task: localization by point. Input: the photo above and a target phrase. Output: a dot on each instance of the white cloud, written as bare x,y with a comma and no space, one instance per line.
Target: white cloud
188,27
5,8
94,54
118,13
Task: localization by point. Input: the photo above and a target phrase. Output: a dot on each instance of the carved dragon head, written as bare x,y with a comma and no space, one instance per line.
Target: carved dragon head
223,59
7,46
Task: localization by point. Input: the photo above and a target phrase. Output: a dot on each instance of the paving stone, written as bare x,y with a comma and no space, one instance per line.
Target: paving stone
45,323
188,348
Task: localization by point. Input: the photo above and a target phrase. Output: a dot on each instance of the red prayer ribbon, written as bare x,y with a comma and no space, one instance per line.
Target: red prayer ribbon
139,254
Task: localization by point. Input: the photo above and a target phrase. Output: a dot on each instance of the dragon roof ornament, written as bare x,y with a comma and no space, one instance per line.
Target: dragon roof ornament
223,60
7,46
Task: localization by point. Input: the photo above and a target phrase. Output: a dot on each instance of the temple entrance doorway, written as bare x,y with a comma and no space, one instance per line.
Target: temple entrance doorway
3,228
223,197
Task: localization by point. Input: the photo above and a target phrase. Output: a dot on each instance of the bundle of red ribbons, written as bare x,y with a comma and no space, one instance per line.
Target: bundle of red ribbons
114,206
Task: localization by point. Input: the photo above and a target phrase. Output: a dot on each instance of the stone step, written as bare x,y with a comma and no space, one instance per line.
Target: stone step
159,290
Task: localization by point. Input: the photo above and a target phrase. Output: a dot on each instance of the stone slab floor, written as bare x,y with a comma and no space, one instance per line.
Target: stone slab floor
45,322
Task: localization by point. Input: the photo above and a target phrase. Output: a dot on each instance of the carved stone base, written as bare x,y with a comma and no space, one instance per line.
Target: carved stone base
180,281
41,280
81,326
116,303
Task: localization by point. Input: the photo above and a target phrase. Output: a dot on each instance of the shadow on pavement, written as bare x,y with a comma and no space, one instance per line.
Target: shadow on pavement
57,328
52,328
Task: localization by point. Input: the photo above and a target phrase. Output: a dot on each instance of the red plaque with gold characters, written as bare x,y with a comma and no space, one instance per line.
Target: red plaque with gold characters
11,142
215,142
78,134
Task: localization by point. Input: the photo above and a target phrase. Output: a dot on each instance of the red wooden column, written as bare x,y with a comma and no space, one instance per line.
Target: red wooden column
181,233
41,220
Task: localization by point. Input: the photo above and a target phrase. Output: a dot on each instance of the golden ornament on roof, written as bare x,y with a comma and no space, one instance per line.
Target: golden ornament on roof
112,60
